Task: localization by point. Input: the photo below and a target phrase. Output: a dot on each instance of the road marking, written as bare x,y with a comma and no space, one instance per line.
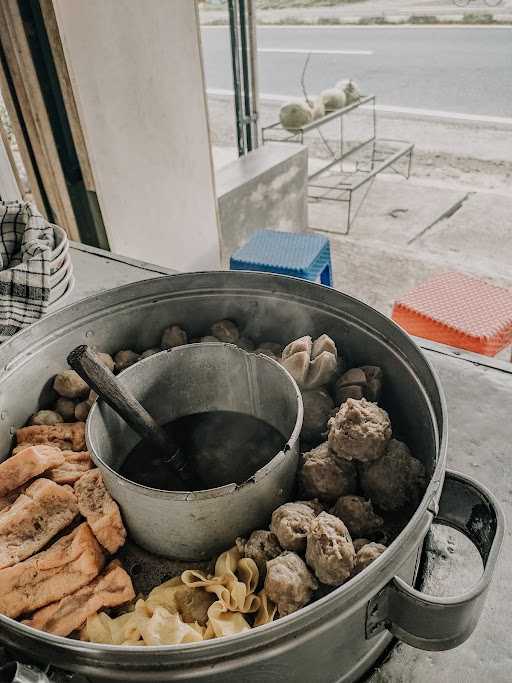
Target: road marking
411,111
438,114
301,51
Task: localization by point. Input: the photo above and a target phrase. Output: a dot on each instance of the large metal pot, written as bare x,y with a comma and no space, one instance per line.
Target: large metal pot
338,637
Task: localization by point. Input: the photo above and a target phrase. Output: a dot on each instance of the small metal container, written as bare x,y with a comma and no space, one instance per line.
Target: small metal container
188,380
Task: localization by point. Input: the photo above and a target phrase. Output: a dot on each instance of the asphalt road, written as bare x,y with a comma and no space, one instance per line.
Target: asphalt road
453,69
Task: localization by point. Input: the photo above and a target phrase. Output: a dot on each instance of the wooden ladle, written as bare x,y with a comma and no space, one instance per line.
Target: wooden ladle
101,380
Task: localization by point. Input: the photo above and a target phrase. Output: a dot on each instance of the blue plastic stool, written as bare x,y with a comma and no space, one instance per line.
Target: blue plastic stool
270,251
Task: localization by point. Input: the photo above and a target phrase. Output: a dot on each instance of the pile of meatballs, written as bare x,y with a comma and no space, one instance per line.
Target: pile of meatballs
353,486
354,479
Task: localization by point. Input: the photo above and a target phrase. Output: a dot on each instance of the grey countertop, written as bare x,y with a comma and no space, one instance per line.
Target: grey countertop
479,397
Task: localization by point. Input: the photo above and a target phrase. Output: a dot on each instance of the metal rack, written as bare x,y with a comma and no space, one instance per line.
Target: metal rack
368,157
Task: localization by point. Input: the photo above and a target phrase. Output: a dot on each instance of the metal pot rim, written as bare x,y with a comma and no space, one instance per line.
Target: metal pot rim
218,491
379,570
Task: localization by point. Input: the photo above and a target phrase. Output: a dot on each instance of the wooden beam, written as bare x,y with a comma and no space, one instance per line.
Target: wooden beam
68,96
35,118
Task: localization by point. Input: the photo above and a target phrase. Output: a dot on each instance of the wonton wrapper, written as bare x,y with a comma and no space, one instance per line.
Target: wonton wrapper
235,594
155,626
157,621
165,628
222,622
191,604
100,628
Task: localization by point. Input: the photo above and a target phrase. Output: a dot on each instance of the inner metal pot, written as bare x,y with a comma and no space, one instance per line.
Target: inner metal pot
201,378
338,637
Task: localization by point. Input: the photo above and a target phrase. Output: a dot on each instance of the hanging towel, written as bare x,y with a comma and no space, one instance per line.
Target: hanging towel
26,244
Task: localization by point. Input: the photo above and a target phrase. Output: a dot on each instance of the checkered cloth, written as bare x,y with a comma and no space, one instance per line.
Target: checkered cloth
26,244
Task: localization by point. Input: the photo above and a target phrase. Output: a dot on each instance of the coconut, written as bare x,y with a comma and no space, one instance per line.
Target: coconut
341,85
295,115
333,99
317,108
351,89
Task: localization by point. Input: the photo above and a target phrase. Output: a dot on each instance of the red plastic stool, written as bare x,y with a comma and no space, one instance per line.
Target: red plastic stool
460,311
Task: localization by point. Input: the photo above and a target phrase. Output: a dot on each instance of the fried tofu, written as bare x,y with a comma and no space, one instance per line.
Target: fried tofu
68,436
7,500
44,509
74,466
28,463
100,510
110,589
67,565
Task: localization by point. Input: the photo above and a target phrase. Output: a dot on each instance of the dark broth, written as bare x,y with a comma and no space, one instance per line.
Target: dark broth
224,447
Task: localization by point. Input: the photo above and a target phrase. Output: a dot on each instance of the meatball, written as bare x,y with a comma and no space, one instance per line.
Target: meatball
46,417
124,359
396,480
358,383
359,430
226,331
318,406
70,385
366,555
173,336
357,515
261,546
351,385
290,523
326,477
329,551
373,382
149,352
192,604
359,543
66,408
106,359
82,410
289,583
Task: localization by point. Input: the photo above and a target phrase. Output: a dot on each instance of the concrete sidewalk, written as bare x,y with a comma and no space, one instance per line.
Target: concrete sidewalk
405,233
359,12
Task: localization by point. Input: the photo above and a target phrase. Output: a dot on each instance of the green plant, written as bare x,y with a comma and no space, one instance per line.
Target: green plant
329,20
472,18
423,19
371,21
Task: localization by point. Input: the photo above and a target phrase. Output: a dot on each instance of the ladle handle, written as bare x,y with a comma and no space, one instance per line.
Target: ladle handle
101,380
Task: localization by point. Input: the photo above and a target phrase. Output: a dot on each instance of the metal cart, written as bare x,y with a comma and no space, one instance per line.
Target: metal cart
350,166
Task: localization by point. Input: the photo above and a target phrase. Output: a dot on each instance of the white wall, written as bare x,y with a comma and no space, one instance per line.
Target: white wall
137,76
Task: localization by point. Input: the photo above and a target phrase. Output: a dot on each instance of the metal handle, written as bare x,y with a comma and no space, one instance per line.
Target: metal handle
441,623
